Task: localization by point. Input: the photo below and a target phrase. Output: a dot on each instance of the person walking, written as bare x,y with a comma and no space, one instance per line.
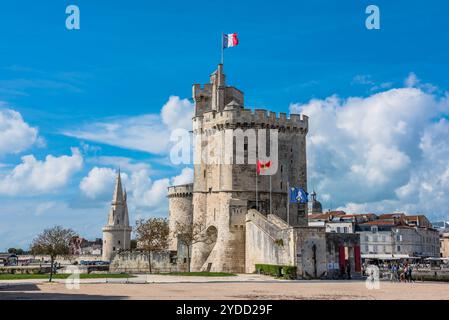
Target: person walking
348,270
409,274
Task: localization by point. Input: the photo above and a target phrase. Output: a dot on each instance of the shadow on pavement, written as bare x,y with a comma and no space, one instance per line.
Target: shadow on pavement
32,292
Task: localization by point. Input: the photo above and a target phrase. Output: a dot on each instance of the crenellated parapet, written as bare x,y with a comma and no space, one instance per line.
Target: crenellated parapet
256,119
180,191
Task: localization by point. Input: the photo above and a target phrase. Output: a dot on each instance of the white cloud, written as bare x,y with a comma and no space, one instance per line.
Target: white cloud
185,177
143,191
385,152
98,182
33,176
148,133
124,163
411,80
15,134
177,113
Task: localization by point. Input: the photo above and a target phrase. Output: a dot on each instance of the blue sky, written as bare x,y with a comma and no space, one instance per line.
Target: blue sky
128,58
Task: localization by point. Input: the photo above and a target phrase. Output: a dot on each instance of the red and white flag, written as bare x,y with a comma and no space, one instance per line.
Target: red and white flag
230,40
262,167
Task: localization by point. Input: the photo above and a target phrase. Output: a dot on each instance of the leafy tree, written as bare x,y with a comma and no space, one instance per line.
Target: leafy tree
53,242
152,235
190,234
17,251
133,244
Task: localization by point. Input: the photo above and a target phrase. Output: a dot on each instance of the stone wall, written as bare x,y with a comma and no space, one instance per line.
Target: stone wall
311,252
60,259
268,241
138,262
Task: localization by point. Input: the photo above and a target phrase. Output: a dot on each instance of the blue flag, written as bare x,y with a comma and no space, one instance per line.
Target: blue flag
298,195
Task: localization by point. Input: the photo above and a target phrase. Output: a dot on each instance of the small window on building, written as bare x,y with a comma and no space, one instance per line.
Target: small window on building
118,221
281,185
398,248
374,229
119,242
282,169
113,248
366,248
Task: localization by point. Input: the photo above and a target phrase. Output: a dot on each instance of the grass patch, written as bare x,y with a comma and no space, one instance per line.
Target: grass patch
200,274
6,276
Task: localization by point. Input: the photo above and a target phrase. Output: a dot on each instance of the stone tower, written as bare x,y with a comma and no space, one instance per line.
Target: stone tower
315,207
180,210
117,232
223,192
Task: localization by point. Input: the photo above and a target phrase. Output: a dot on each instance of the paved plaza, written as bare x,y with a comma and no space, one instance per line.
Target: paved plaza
228,288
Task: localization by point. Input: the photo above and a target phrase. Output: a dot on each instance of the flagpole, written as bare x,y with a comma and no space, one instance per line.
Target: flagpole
288,200
270,197
222,48
257,198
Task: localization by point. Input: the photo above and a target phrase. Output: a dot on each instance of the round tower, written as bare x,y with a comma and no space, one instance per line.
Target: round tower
180,210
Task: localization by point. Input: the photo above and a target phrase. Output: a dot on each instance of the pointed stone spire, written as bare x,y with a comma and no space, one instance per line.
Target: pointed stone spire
117,197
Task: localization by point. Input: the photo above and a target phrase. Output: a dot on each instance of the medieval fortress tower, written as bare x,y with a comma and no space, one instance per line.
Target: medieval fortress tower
117,232
222,193
248,217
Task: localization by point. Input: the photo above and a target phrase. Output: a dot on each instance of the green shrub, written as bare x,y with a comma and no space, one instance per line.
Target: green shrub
286,272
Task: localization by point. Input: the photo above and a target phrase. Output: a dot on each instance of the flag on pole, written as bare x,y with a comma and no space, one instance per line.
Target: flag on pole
262,167
298,195
230,40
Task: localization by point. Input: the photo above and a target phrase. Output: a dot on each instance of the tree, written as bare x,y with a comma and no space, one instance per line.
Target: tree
190,234
152,235
53,242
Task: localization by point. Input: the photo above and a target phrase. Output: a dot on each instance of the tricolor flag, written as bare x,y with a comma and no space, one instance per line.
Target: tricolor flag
263,166
230,40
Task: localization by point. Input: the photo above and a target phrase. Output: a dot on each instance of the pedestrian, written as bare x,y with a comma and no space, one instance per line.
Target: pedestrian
348,270
409,274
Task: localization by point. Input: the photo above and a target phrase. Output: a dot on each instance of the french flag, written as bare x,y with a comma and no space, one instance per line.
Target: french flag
230,40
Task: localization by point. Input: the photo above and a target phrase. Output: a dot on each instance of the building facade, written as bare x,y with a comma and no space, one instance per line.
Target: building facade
444,245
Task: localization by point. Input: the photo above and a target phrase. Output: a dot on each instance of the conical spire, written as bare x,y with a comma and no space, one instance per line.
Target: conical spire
117,197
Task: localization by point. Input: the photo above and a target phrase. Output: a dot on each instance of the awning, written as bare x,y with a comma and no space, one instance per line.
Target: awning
385,256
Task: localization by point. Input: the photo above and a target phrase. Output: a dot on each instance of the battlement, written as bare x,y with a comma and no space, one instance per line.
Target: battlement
183,190
199,90
252,118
